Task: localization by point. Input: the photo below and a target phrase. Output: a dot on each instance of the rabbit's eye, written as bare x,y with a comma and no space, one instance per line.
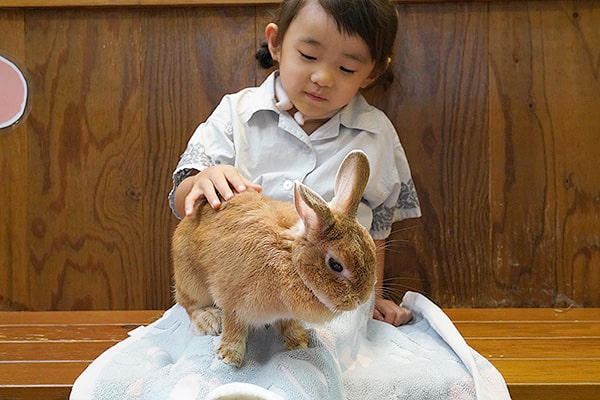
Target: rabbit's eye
335,265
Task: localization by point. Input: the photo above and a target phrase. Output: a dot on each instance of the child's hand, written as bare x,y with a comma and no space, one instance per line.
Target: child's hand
388,311
215,180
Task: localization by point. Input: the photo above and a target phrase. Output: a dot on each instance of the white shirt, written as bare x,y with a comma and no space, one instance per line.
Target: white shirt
248,131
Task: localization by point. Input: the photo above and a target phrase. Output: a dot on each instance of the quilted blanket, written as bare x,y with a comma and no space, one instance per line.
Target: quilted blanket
352,357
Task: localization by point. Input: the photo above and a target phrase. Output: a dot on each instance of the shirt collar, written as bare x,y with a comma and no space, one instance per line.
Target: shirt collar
263,100
357,114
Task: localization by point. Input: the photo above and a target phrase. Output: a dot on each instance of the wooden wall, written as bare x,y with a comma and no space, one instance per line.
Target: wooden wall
497,105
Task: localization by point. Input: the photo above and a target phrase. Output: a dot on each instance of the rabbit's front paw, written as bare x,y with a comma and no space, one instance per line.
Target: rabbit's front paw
293,333
208,320
232,353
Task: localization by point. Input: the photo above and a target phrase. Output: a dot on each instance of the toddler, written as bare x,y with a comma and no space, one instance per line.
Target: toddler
304,118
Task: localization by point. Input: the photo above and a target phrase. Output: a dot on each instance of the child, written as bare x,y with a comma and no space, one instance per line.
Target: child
304,118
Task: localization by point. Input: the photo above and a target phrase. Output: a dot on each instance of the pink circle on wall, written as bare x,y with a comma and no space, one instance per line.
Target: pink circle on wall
13,93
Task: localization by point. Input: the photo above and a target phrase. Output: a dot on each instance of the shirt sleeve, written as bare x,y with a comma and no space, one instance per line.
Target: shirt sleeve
402,201
210,144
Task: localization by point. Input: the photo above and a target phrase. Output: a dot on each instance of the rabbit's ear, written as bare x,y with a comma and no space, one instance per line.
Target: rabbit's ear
350,183
313,210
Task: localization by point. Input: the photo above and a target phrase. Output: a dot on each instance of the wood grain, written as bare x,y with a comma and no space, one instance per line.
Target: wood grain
87,151
495,103
502,156
439,106
545,187
541,353
14,275
129,3
186,73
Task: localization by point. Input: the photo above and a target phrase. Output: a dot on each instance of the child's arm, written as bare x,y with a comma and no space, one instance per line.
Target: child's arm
386,310
209,183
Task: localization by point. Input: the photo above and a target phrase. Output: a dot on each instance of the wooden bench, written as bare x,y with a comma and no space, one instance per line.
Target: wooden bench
542,353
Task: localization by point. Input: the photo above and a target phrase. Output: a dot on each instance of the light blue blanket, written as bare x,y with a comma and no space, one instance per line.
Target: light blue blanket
353,357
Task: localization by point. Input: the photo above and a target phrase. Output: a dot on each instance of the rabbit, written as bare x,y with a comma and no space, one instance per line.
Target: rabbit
258,261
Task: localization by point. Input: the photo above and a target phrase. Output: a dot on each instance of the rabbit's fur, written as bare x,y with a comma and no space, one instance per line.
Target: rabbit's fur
258,261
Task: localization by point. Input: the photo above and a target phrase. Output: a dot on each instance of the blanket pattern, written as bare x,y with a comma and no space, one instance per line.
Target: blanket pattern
352,357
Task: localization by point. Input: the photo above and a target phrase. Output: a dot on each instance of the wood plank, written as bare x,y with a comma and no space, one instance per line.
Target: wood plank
439,105
491,349
45,374
84,229
533,368
118,317
522,314
574,89
35,392
528,330
82,350
537,348
62,333
544,183
185,74
550,372
554,392
14,169
129,3
54,351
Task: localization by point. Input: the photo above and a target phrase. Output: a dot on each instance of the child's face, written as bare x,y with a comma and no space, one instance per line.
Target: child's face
321,69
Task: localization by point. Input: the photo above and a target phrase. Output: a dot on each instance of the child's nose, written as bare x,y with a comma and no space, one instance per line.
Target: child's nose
322,77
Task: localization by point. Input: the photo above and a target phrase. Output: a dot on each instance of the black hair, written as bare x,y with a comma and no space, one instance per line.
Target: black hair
374,21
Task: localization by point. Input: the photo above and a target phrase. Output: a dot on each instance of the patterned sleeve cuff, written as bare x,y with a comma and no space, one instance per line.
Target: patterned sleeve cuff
384,216
382,222
178,177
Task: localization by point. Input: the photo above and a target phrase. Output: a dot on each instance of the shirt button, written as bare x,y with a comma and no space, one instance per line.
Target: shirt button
287,185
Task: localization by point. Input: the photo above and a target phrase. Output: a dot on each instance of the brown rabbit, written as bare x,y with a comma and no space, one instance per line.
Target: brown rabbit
262,261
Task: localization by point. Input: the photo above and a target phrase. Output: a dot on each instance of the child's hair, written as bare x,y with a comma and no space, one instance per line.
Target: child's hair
374,21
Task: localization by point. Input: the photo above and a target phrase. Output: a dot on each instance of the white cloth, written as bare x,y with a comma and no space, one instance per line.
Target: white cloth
247,130
352,357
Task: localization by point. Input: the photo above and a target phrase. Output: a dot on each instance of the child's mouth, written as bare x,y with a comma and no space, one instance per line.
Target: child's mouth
315,97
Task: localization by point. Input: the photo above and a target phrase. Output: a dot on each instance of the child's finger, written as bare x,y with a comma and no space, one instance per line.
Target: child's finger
377,315
220,183
252,185
196,193
210,192
405,316
190,201
237,181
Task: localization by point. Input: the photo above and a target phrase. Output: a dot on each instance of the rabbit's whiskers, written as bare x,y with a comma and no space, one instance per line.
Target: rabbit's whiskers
394,286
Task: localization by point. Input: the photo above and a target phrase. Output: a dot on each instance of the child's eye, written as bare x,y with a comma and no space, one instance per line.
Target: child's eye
306,56
346,70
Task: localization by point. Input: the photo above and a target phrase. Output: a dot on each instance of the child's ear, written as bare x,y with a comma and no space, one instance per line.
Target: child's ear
271,32
375,75
367,82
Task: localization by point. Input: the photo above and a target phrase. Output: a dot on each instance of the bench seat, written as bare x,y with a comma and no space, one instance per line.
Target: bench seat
542,353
